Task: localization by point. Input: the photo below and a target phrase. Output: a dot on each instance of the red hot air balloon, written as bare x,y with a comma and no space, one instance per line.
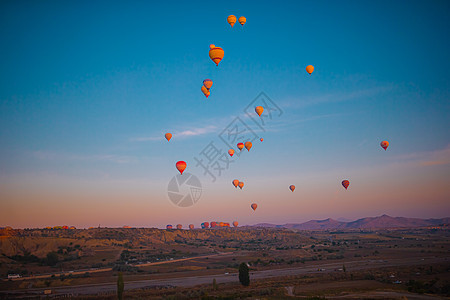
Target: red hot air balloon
261,139
206,224
384,145
292,187
181,166
235,183
254,206
235,224
345,183
191,226
231,152
240,146
241,185
213,224
168,136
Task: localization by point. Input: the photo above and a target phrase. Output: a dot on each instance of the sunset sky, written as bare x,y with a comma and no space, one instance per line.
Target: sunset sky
89,88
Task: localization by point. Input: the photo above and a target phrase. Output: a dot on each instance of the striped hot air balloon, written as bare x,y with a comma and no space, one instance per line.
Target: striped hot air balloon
216,54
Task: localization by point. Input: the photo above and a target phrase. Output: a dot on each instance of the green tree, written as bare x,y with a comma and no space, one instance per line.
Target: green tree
52,258
244,277
215,287
120,286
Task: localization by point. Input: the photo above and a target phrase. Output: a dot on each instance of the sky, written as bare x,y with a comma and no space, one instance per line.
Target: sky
89,88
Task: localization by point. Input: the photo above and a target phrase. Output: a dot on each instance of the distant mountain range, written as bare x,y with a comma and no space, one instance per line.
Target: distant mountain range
383,221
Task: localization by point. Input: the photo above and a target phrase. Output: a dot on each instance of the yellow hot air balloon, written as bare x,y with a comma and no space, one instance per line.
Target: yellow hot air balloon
310,69
216,54
241,185
242,20
231,20
231,152
207,83
168,136
235,183
248,146
259,110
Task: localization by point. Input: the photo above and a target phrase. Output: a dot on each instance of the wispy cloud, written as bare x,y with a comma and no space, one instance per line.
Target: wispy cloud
179,134
427,158
120,159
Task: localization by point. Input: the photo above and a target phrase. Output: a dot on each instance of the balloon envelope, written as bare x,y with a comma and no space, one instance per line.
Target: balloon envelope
231,152
191,226
261,139
259,110
345,183
292,187
248,145
231,20
310,69
204,90
235,183
240,146
254,206
235,224
241,185
168,136
213,224
169,227
242,20
384,144
206,224
216,54
179,226
207,83
181,166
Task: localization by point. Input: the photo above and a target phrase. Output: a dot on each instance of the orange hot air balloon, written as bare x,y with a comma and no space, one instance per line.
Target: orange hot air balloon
181,165
248,145
191,226
221,224
261,139
168,136
240,146
259,110
204,90
242,20
231,20
254,206
241,184
235,224
384,144
179,226
345,183
292,187
235,183
216,54
231,152
310,69
207,94
207,83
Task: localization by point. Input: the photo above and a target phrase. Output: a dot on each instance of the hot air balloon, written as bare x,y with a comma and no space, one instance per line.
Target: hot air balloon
203,225
254,206
207,94
240,146
213,224
226,224
206,224
242,20
207,83
179,226
261,139
235,224
231,20
310,69
231,152
221,224
345,183
169,226
235,183
384,144
292,187
191,226
241,185
216,54
259,110
181,165
168,136
248,145
205,91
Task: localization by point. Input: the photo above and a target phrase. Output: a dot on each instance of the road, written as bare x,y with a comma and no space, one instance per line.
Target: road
81,272
233,277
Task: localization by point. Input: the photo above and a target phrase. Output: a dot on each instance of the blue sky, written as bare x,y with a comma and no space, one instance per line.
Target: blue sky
88,90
